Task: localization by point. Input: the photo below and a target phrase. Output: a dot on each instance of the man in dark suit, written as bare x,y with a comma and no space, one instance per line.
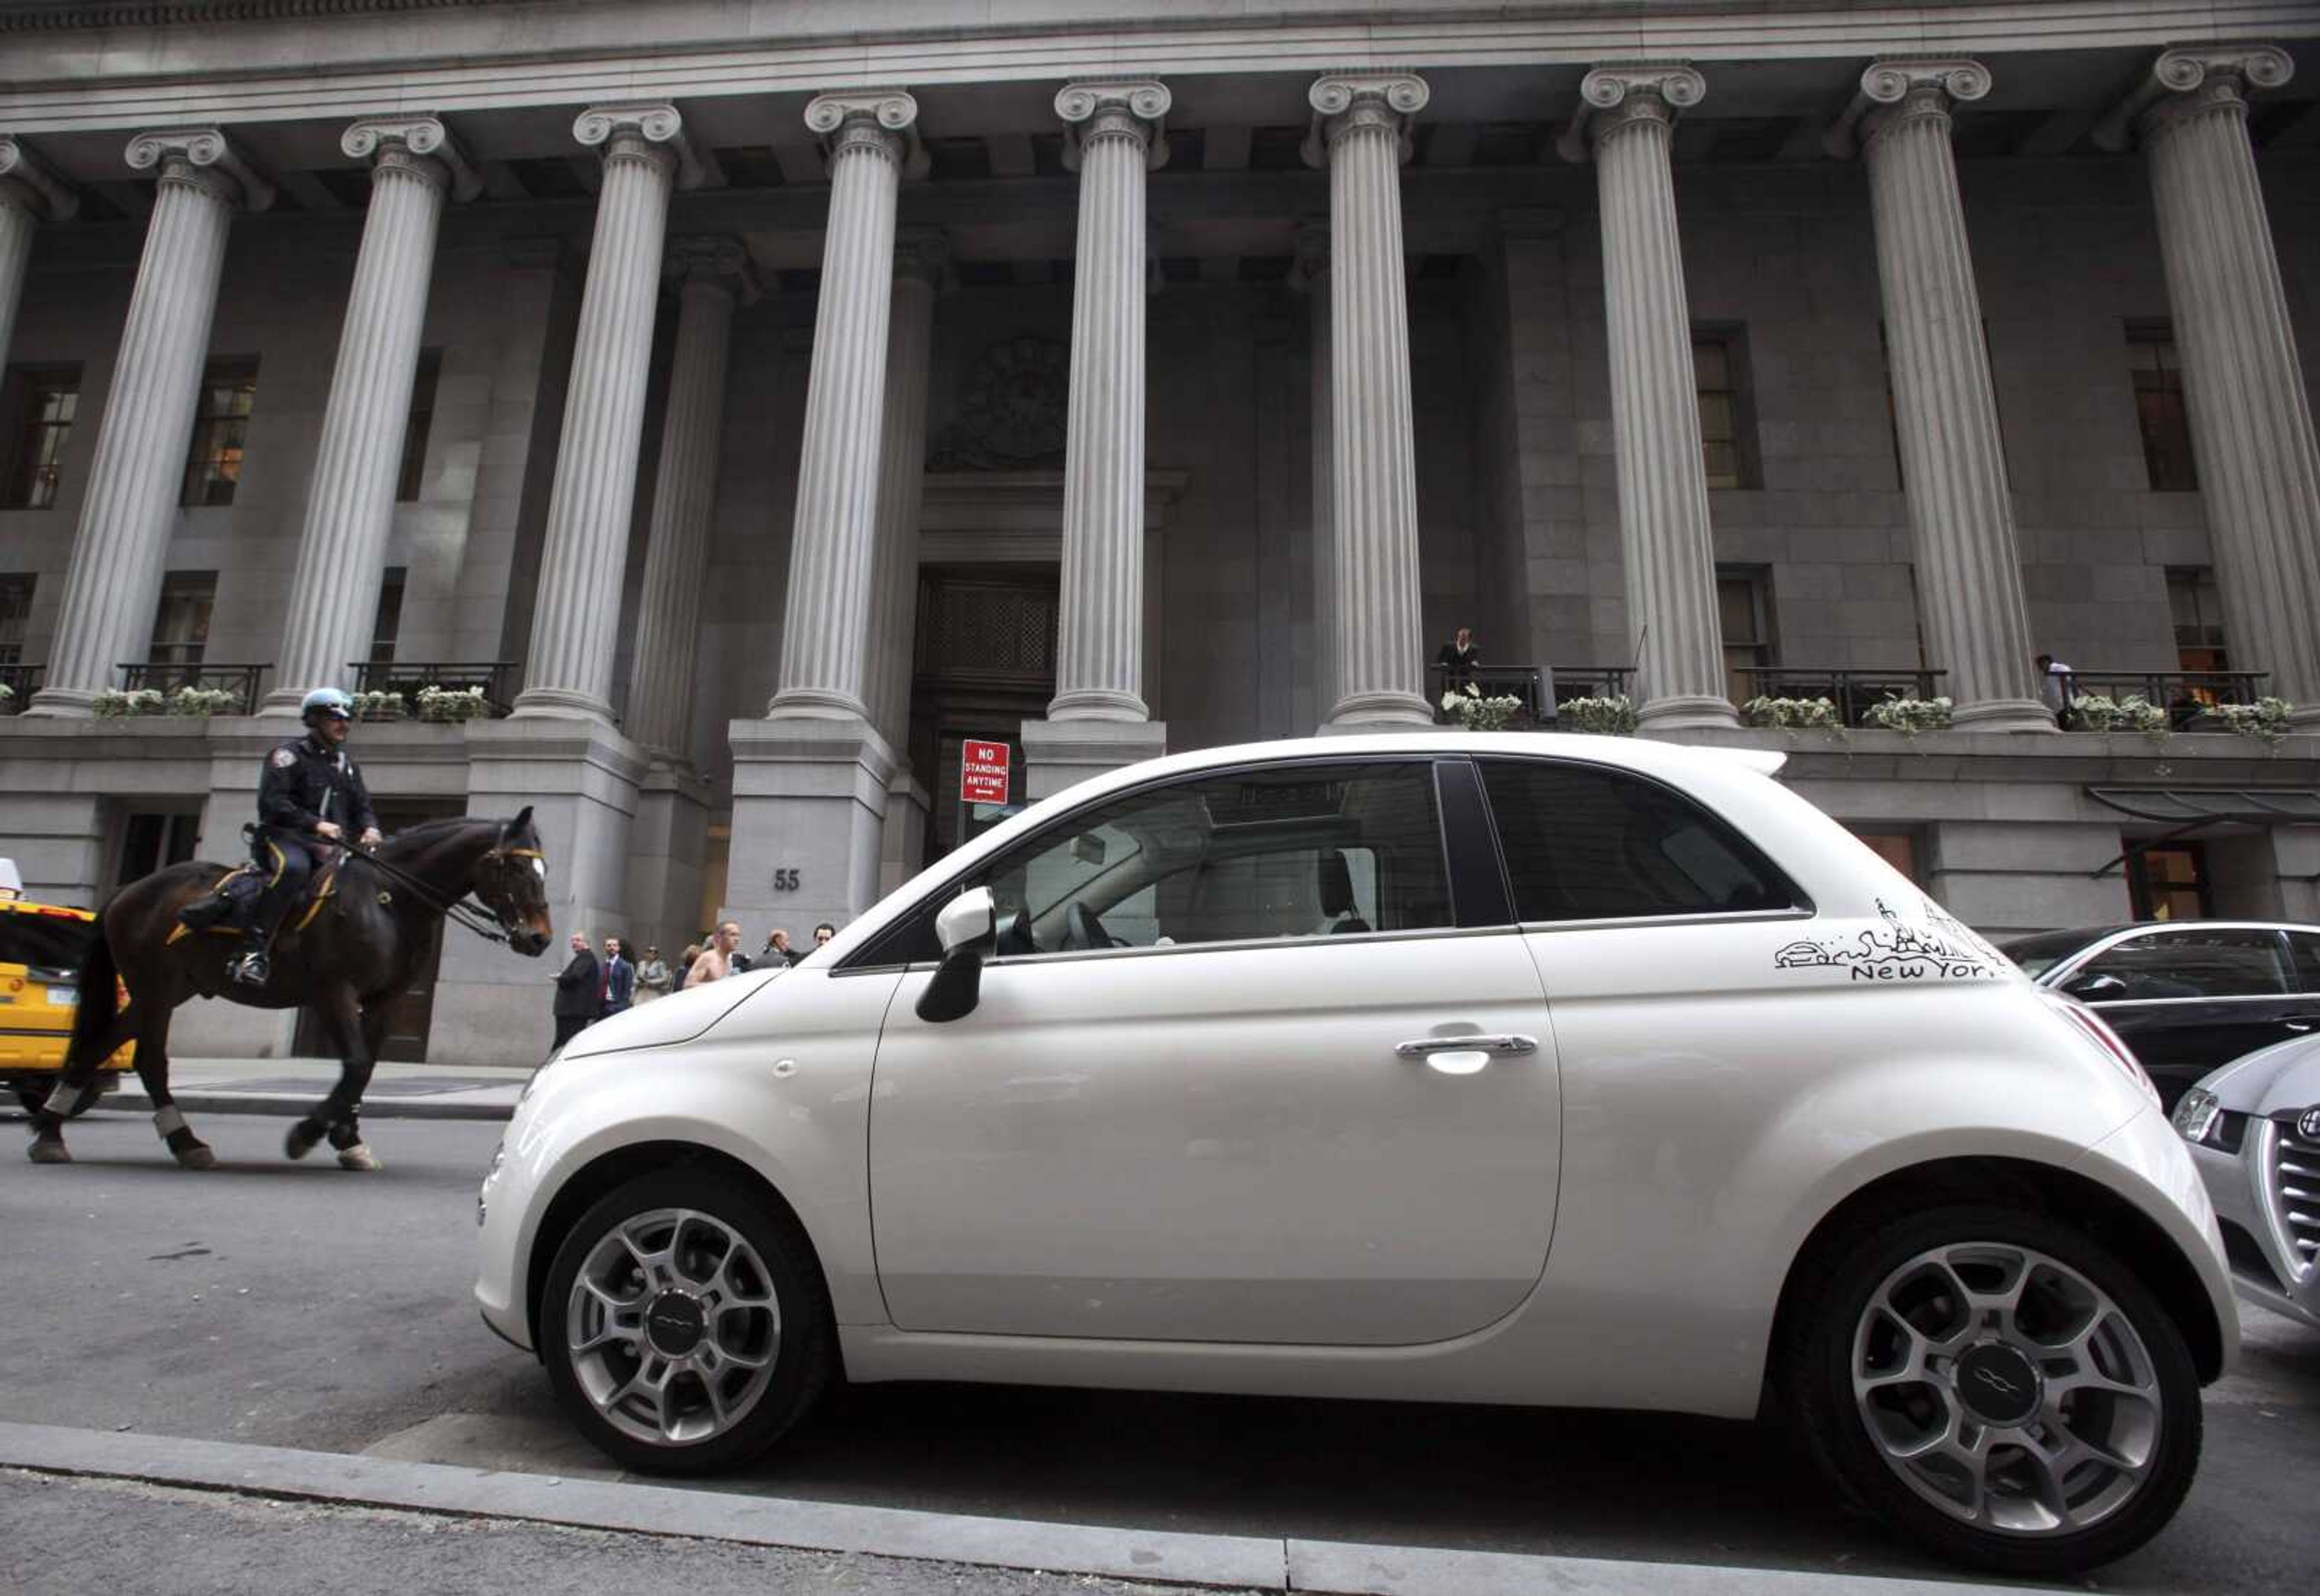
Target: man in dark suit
579,992
620,978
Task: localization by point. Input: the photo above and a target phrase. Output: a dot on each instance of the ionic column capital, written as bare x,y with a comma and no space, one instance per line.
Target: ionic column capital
1902,89
1619,95
881,121
922,255
718,259
2186,81
1135,109
201,159
27,183
420,145
1348,101
647,130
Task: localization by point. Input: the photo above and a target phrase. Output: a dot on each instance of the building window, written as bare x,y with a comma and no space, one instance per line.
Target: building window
16,615
181,625
1728,417
2198,609
414,433
2159,407
221,431
41,406
153,840
2168,882
388,622
1897,847
1744,616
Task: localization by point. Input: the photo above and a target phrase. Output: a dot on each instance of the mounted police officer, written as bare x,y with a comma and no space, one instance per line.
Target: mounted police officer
309,794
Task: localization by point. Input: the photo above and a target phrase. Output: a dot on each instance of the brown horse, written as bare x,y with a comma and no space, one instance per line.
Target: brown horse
346,954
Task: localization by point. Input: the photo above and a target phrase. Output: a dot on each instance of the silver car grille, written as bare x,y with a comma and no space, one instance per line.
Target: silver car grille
2296,1194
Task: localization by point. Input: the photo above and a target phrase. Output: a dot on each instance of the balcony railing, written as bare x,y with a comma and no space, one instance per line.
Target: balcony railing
22,681
2185,695
1852,692
1591,681
405,678
245,682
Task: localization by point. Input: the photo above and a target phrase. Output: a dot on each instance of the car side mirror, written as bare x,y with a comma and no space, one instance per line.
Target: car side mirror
2094,989
967,928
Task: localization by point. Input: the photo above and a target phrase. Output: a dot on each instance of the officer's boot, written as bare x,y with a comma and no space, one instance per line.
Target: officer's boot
249,965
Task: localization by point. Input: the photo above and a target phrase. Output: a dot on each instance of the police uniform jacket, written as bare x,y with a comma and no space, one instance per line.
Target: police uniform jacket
307,782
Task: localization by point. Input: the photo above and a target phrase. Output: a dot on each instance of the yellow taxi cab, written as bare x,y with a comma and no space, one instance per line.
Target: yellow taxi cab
41,947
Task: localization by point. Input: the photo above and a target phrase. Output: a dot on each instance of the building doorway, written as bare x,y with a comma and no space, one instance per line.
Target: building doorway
2170,881
984,663
412,1012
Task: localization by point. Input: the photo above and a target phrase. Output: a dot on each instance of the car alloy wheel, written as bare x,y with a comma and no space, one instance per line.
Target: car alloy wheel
672,1326
1996,1385
684,1323
2006,1389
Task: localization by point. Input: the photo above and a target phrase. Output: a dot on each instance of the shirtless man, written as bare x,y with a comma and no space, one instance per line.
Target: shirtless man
716,960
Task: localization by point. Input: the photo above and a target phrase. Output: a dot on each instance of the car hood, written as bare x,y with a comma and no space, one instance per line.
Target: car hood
677,1017
2286,1075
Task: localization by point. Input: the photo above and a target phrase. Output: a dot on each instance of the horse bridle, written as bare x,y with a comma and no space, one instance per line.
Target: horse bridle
467,912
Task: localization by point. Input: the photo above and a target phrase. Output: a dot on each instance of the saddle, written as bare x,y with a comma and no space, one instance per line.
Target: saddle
226,907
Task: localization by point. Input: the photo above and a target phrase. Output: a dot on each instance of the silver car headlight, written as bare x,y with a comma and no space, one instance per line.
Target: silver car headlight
2200,1118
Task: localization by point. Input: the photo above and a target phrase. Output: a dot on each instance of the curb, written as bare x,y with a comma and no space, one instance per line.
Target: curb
1237,1562
281,1106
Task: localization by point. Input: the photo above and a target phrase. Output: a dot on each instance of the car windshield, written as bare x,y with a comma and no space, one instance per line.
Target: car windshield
2037,955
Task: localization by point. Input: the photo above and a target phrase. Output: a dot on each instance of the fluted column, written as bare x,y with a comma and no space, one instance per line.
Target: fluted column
1378,669
2252,431
1311,278
710,274
575,623
351,506
1111,135
1628,115
115,580
921,266
29,195
1953,461
826,626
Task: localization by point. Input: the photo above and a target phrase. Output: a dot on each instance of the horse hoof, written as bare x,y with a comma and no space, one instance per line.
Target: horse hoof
359,1157
197,1157
302,1140
50,1149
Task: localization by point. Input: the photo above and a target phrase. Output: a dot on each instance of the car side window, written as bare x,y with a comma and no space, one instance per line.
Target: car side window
1585,843
2303,952
2193,962
1272,852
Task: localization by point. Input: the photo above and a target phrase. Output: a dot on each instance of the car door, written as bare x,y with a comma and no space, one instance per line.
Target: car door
2190,999
1196,1100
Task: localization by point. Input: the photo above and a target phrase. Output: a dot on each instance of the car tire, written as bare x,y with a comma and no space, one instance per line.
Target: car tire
684,1325
2005,1335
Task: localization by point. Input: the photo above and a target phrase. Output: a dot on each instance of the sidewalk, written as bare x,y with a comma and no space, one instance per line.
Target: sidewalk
288,1087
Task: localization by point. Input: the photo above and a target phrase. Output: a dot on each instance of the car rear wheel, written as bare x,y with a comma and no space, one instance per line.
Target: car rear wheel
685,1324
1997,1386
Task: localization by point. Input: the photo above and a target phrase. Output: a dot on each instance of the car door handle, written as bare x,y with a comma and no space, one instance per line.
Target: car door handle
1430,1046
2301,1021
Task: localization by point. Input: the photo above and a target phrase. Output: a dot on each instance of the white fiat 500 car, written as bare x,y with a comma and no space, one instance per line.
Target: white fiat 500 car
2255,1130
1448,1067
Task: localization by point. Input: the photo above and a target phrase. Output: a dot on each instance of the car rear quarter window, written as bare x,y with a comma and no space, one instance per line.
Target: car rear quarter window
1585,843
2195,963
2304,950
45,943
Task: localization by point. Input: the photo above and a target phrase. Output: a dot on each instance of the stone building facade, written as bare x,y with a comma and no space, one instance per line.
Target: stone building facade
756,401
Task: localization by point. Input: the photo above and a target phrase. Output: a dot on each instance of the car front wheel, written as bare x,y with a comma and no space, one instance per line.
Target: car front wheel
685,1324
1997,1386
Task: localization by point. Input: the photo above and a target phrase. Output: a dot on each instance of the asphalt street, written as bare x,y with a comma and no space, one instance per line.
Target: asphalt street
296,1305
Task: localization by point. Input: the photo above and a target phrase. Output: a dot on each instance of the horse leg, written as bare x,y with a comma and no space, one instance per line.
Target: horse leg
345,1137
190,1151
334,1116
74,1090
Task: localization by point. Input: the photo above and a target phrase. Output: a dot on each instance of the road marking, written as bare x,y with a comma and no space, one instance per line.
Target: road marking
1230,1561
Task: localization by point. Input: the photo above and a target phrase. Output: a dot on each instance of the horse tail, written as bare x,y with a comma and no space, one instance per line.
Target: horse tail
93,1015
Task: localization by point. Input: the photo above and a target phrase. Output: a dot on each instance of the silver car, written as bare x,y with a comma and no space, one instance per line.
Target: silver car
2255,1130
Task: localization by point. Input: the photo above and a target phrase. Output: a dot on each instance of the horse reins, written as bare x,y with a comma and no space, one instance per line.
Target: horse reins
465,911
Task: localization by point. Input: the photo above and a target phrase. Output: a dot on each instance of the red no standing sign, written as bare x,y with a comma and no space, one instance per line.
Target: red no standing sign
982,773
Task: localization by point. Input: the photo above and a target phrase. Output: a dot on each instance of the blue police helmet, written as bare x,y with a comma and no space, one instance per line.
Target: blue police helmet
326,701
